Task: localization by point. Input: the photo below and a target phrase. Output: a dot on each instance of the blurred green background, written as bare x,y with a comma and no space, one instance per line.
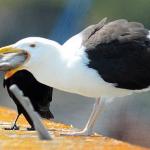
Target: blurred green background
123,118
22,18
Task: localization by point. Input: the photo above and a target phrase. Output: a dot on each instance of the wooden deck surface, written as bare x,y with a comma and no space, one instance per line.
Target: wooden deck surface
22,139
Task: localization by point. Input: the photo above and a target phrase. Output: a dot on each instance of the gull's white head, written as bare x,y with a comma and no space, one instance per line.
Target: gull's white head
40,51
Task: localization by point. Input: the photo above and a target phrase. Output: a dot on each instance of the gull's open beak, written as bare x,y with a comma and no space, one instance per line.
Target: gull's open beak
11,60
8,49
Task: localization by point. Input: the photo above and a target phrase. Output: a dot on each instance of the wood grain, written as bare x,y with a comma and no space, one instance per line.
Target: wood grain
23,139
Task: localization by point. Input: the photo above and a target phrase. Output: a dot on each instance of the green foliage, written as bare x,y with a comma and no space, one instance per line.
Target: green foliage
15,3
22,18
133,10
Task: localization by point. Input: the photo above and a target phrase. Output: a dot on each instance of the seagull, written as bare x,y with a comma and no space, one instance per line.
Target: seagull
39,94
108,59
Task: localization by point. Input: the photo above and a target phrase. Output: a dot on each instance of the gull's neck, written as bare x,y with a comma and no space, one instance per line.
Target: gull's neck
60,69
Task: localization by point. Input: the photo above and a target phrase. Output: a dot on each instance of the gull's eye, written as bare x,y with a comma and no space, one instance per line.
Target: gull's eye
32,45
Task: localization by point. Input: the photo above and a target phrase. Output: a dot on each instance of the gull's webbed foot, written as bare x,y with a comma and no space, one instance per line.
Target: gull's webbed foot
83,132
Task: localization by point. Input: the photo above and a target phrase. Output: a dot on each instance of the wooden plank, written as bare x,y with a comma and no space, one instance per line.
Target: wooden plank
23,139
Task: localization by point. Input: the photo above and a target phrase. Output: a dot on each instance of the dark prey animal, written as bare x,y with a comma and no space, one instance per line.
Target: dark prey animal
39,94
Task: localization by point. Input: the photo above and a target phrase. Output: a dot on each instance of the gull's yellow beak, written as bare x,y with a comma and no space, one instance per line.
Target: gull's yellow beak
10,73
11,60
8,49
